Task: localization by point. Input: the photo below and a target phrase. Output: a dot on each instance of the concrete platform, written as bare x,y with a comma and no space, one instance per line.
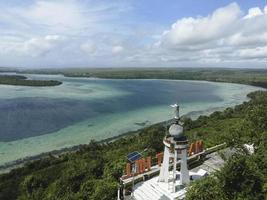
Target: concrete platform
153,190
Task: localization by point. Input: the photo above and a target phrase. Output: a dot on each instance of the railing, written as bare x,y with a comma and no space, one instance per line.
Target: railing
154,168
144,164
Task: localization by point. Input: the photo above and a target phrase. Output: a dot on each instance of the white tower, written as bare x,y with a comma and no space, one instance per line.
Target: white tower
175,147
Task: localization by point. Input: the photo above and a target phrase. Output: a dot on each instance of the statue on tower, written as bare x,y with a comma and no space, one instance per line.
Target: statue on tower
176,111
175,147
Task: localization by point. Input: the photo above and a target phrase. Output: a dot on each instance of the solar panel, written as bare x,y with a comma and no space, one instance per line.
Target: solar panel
132,157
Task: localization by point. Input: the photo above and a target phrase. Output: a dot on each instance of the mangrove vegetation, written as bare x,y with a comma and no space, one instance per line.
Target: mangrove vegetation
93,171
23,81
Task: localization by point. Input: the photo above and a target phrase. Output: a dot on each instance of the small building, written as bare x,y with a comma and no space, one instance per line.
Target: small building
168,180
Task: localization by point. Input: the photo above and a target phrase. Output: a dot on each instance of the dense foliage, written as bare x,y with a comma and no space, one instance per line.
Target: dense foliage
245,175
93,171
22,80
257,77
90,173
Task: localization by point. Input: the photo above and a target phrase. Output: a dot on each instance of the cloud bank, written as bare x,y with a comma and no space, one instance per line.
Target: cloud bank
74,33
227,37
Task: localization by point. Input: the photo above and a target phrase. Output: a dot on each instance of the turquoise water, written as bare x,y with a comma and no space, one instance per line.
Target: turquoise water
40,119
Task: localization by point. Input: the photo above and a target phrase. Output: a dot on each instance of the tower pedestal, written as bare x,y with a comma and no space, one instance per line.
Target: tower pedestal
184,179
173,150
175,147
164,170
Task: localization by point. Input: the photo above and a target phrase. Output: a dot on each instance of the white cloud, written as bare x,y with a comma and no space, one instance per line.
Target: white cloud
33,47
41,45
89,47
59,30
195,31
253,12
222,37
68,17
240,39
117,49
58,14
255,53
45,17
99,33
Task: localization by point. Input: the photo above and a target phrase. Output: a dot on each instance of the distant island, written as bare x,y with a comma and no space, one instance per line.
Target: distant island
92,171
255,77
23,81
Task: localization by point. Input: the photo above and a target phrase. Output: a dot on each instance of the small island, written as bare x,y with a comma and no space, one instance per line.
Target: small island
23,81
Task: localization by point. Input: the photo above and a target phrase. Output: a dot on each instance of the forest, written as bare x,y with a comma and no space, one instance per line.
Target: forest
93,171
23,81
257,77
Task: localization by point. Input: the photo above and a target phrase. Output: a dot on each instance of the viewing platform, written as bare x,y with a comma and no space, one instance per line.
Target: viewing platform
209,154
147,189
176,167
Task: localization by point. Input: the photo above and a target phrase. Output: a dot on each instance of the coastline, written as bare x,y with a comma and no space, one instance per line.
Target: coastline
220,75
21,80
7,167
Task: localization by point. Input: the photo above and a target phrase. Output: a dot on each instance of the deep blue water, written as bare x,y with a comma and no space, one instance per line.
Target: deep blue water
22,117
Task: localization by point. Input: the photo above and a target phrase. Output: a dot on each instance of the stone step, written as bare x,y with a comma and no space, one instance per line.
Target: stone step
137,196
160,189
158,193
142,194
155,190
150,190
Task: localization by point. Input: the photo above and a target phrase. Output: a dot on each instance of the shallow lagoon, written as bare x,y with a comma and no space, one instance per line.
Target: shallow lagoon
40,119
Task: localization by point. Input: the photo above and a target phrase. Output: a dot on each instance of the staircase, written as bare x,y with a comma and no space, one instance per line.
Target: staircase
150,191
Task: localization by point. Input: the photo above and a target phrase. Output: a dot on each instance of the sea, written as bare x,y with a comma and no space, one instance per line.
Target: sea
34,120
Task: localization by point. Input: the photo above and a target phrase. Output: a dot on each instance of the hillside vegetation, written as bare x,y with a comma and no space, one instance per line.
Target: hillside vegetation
23,81
257,77
245,175
93,171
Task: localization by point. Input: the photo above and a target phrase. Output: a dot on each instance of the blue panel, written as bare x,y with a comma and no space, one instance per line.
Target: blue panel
132,157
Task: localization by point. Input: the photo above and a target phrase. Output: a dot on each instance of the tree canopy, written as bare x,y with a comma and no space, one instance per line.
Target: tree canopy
93,171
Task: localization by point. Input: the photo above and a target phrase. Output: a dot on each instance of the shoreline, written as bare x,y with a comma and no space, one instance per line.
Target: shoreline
255,83
21,80
7,167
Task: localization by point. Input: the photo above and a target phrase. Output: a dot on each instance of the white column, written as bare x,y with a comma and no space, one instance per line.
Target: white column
184,170
174,169
164,170
118,194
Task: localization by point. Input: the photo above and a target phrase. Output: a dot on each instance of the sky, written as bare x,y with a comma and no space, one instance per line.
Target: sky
133,33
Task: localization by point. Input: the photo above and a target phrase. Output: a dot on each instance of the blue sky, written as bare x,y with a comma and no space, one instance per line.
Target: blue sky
169,11
133,33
